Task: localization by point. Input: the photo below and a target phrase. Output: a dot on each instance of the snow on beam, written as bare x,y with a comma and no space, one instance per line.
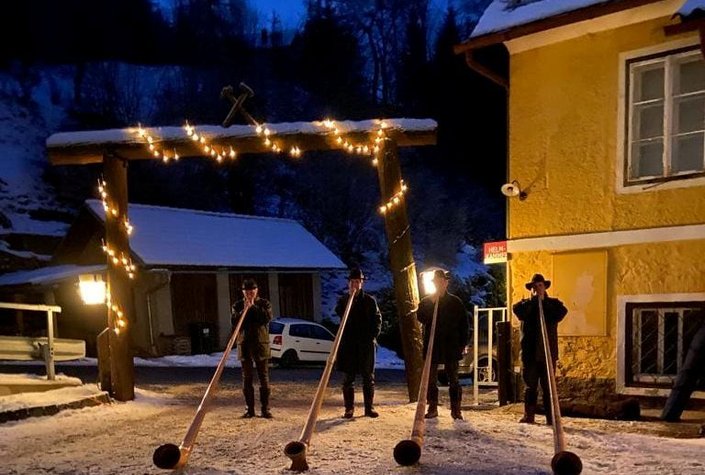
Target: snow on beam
71,148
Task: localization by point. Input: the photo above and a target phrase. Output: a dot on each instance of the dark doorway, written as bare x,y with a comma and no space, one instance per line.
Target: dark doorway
194,300
296,295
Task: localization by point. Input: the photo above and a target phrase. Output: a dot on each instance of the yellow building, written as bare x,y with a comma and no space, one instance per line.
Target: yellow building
606,143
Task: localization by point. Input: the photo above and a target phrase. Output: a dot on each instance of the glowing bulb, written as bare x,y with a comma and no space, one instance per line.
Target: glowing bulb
258,129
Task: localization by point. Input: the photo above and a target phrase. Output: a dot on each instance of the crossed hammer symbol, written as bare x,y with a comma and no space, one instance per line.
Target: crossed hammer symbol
228,92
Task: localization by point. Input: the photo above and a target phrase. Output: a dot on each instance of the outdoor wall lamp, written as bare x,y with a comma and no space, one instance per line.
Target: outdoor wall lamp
91,287
427,284
513,189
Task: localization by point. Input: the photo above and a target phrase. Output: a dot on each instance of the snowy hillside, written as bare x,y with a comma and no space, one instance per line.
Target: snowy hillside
27,204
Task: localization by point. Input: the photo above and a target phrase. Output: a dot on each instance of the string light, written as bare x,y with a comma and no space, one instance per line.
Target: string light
111,210
358,149
120,260
120,321
396,198
209,150
155,150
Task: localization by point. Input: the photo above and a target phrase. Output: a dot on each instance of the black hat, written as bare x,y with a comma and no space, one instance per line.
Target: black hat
441,274
537,278
356,273
249,284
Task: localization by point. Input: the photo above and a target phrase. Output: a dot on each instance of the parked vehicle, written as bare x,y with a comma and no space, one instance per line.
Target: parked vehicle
293,341
465,368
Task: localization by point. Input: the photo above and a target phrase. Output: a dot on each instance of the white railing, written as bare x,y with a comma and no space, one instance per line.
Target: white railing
494,314
50,310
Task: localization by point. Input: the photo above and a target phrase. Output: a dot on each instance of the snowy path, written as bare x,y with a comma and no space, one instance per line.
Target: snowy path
120,439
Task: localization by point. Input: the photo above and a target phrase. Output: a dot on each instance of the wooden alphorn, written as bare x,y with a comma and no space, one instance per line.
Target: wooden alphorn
563,462
408,452
169,456
296,450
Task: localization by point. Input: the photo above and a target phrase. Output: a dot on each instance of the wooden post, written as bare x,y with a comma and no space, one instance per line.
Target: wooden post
406,289
122,371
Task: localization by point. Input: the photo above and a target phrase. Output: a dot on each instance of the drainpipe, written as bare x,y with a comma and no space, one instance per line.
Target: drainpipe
150,291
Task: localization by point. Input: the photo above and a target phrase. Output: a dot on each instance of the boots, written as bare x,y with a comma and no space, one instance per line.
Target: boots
456,396
264,399
349,399
432,412
529,414
369,394
249,393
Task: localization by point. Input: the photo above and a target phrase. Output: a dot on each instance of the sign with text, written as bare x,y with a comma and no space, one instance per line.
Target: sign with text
495,252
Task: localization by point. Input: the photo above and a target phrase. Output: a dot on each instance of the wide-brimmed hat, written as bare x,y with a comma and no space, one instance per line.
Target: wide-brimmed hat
356,273
249,284
441,274
537,278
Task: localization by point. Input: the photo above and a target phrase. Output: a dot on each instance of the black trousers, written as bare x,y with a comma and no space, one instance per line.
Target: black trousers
451,368
688,376
368,380
262,374
534,372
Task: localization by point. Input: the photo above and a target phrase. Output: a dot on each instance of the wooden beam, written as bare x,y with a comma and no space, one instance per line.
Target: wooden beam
80,148
119,286
403,267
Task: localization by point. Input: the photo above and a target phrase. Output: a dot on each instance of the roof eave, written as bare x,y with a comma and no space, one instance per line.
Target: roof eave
549,23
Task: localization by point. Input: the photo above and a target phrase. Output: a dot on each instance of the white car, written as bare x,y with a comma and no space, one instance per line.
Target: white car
293,340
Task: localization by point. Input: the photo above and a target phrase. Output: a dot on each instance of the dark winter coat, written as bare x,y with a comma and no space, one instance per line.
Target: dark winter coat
253,340
451,335
356,353
527,310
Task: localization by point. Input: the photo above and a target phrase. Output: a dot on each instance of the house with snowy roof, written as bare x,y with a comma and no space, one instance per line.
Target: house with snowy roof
606,106
190,267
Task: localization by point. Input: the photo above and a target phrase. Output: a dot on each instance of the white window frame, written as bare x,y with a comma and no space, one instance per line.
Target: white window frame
684,180
622,301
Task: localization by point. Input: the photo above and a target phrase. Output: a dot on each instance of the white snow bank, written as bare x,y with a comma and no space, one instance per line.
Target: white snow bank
46,398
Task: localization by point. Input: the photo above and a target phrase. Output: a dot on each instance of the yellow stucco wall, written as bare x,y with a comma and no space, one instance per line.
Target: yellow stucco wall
643,269
563,148
563,141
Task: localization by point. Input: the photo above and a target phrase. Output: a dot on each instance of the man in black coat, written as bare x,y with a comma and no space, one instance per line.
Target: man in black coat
450,339
532,352
253,346
356,354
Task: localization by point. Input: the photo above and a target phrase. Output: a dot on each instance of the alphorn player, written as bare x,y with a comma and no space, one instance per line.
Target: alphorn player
533,360
253,346
448,344
356,354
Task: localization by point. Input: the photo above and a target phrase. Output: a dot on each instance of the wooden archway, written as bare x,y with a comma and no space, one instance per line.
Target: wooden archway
115,148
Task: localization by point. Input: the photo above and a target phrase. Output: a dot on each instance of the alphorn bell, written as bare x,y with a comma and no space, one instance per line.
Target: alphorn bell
408,452
563,462
169,456
296,450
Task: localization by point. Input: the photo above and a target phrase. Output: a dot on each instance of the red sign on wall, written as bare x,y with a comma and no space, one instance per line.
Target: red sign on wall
495,252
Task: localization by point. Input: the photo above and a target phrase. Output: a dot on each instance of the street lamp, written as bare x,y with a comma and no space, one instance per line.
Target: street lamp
91,287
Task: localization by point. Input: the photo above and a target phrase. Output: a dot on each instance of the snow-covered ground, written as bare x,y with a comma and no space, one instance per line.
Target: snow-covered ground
120,438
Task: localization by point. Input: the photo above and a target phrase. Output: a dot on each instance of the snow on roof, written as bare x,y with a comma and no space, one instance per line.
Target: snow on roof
183,237
692,6
214,132
48,275
506,14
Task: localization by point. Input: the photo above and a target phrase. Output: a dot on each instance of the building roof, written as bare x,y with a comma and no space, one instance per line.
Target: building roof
182,237
692,7
48,275
504,20
506,14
